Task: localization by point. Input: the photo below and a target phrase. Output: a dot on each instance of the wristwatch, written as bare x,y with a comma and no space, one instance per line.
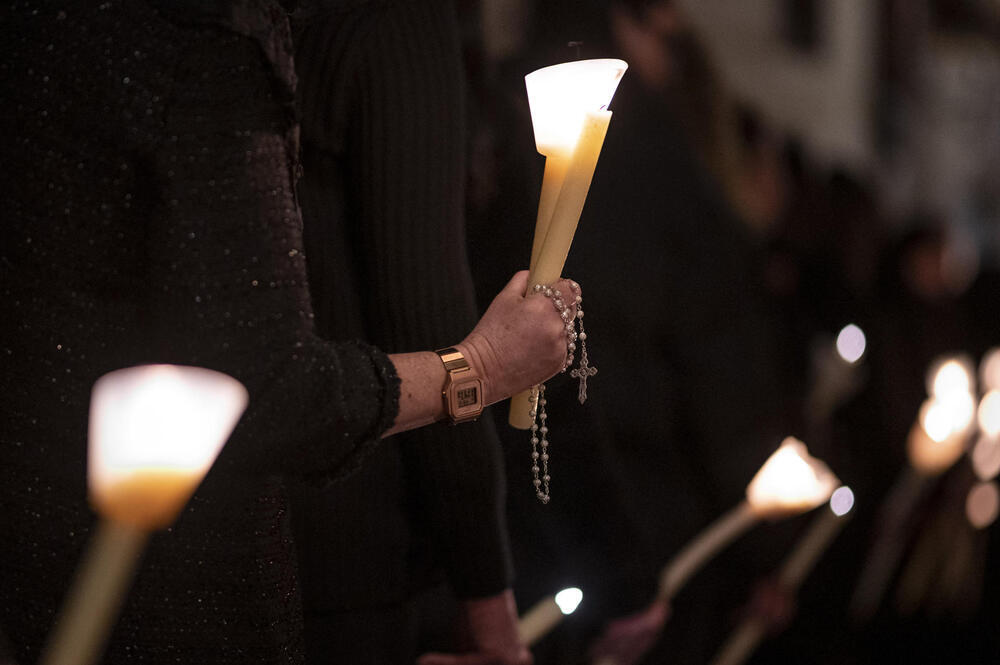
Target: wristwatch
463,389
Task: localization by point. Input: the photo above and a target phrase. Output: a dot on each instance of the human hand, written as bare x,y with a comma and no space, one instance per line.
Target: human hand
627,639
772,604
520,341
489,627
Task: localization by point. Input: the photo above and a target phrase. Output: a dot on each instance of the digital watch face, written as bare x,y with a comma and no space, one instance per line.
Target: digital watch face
465,397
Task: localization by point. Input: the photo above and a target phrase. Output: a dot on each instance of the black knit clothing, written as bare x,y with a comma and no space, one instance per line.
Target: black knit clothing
382,194
149,215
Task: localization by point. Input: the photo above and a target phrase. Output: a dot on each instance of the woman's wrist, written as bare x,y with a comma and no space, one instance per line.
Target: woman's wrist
480,360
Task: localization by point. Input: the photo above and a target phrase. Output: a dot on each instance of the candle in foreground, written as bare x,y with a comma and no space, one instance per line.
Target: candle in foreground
749,634
790,482
155,430
570,119
546,615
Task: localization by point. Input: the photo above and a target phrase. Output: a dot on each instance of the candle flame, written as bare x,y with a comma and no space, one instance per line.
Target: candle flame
938,439
154,432
989,413
989,369
559,97
949,376
569,599
790,481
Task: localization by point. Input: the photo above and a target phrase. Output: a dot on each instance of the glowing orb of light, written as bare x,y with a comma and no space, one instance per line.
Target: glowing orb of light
842,501
982,504
569,599
989,369
851,343
989,413
949,376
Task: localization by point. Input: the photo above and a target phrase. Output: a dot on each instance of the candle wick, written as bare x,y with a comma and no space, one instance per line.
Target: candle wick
577,46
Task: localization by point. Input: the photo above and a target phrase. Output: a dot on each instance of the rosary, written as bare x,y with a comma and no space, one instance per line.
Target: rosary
539,432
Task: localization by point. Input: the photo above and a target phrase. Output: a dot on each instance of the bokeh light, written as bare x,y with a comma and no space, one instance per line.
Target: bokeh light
986,458
949,376
982,504
842,501
989,369
851,343
569,599
989,413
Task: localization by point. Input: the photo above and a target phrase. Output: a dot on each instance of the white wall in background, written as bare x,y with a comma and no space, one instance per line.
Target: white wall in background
826,97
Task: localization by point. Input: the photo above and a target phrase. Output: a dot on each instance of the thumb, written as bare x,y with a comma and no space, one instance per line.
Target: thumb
518,283
456,659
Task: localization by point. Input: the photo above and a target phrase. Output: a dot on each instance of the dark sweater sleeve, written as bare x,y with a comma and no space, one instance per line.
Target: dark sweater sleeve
382,88
226,284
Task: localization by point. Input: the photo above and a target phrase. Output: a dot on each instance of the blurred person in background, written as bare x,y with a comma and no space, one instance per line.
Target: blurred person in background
688,402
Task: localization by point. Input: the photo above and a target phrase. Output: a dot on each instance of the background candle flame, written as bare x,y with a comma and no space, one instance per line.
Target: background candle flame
790,481
951,375
569,599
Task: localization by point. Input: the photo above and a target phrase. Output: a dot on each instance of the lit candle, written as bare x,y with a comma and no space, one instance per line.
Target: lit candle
546,615
790,482
570,119
935,442
155,430
749,634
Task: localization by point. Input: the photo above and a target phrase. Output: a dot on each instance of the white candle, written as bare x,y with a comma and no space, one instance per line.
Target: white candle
546,615
790,482
155,430
751,632
568,114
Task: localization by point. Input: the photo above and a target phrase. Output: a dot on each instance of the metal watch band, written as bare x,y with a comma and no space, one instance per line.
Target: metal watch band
453,359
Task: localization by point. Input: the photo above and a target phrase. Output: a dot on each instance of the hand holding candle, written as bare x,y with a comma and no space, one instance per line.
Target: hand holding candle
744,640
936,441
155,431
570,120
790,482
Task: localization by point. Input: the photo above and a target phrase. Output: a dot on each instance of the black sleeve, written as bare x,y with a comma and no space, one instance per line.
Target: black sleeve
226,284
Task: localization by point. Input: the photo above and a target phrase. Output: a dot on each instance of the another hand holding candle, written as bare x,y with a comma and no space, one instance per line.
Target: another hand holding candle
936,441
825,527
789,482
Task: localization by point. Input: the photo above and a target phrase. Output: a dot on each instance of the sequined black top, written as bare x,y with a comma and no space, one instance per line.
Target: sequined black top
149,214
